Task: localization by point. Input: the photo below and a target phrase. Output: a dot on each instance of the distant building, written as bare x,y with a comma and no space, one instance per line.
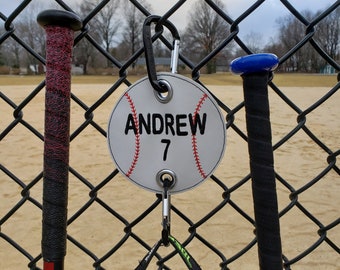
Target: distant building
328,69
77,70
36,69
162,62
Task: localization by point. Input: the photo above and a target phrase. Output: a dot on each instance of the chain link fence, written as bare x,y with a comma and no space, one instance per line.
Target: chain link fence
112,223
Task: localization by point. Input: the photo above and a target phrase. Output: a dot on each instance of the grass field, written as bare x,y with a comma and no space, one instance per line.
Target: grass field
287,79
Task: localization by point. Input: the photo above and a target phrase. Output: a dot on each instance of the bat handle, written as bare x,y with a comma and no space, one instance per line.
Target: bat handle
255,71
59,26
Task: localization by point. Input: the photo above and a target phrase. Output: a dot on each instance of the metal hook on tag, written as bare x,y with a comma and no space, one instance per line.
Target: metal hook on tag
166,179
158,85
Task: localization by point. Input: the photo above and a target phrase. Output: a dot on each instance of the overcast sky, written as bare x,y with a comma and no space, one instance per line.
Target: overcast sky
263,20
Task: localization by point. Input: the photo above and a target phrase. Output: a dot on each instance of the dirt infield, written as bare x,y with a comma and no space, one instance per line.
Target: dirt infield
299,160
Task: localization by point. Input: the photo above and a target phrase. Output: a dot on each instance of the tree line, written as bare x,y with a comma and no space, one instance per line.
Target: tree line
117,28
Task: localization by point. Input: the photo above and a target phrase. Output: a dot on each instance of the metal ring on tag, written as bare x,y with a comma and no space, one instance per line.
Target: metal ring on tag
181,135
164,97
164,174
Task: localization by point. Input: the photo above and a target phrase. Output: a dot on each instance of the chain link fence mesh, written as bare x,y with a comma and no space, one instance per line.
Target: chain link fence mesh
112,224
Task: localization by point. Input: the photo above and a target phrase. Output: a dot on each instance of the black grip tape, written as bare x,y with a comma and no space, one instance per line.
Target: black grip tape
54,219
262,170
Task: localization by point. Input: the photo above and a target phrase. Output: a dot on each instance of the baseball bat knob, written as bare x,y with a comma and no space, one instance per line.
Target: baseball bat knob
254,63
61,18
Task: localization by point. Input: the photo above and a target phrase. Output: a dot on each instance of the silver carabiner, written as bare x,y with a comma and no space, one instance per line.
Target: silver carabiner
165,97
174,56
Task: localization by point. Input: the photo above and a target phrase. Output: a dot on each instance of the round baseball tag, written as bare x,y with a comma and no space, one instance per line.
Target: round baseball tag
179,135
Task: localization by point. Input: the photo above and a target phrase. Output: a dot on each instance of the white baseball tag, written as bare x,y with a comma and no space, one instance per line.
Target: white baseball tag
180,134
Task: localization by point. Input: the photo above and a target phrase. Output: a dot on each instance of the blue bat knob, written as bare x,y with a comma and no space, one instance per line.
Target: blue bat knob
261,62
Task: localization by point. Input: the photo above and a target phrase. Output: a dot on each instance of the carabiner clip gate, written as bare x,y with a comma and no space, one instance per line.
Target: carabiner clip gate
174,56
149,56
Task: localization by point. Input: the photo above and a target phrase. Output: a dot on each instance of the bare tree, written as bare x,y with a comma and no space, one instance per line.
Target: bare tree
205,31
32,33
108,23
132,31
11,53
328,34
253,41
84,50
29,32
307,59
105,24
290,33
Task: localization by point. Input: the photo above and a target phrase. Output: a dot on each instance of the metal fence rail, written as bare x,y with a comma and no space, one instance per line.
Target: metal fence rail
115,236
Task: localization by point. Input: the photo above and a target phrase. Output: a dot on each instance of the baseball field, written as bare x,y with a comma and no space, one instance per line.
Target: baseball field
299,161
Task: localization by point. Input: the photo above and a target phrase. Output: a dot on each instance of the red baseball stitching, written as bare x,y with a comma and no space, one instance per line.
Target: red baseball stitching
137,136
194,140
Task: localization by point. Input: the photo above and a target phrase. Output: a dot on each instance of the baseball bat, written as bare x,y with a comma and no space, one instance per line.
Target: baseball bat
59,26
255,71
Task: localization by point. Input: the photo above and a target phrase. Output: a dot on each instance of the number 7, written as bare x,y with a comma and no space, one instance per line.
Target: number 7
167,142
